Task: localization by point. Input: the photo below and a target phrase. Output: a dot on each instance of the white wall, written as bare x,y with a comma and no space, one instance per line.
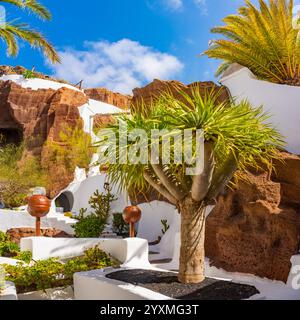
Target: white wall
93,285
152,213
282,102
131,252
86,188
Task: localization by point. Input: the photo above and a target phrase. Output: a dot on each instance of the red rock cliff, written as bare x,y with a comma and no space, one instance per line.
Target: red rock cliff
38,116
114,98
256,228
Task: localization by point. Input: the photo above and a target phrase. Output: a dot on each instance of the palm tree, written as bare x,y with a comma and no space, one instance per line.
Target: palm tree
11,31
264,39
235,136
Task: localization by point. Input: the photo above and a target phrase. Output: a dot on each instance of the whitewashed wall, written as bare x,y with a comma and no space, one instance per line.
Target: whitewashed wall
152,213
282,102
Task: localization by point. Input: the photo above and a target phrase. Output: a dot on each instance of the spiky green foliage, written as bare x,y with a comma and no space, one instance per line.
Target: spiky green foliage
238,133
11,31
262,39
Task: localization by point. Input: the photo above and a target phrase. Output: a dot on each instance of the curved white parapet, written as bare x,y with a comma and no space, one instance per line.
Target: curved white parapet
131,252
93,285
282,102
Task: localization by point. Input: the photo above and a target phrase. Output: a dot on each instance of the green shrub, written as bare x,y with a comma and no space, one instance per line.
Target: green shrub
2,278
92,226
28,74
51,273
12,250
89,227
165,225
25,256
73,149
9,249
18,176
3,237
101,202
120,227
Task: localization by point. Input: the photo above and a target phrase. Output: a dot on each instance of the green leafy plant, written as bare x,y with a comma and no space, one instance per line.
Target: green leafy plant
25,256
18,175
52,273
90,226
29,74
12,250
165,225
8,249
101,202
73,149
120,226
264,39
2,278
3,237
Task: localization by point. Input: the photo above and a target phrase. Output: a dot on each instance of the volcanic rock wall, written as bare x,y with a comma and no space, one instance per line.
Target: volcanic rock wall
256,228
40,115
153,90
116,99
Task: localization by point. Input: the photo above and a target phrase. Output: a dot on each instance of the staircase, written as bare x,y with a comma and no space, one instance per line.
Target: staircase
61,222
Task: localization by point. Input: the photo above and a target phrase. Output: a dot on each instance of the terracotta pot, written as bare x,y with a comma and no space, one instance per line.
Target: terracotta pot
132,214
38,206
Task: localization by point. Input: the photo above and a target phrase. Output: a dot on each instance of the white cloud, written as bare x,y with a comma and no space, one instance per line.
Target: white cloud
174,4
119,66
179,4
202,5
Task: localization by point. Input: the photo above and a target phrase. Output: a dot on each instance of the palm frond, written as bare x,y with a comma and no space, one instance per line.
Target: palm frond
261,38
9,32
32,6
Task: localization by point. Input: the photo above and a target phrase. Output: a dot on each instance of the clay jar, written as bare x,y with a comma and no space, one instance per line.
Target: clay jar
132,215
38,206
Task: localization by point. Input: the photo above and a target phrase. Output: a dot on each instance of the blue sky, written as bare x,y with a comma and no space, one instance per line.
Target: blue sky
122,44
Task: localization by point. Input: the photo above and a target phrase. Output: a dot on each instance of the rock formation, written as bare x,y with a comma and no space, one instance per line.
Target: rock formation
149,93
114,98
256,227
36,116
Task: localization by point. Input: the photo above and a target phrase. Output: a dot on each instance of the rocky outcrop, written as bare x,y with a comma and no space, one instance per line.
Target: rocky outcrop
37,116
116,99
16,234
152,91
256,227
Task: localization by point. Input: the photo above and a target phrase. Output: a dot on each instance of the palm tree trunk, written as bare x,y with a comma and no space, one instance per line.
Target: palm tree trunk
191,265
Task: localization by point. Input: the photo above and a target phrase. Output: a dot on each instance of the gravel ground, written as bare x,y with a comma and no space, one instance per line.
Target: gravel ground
166,283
